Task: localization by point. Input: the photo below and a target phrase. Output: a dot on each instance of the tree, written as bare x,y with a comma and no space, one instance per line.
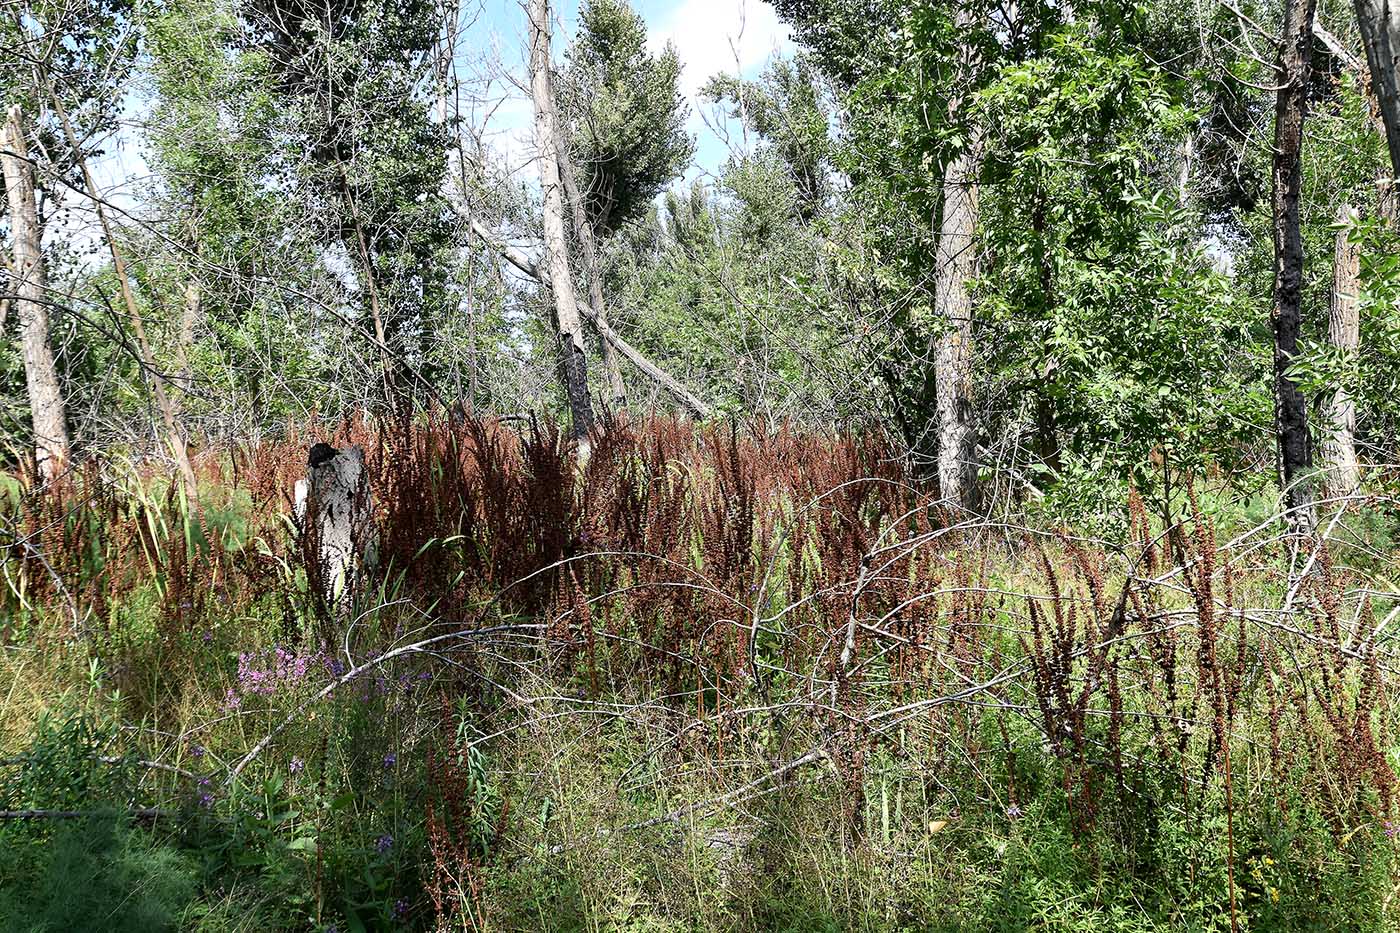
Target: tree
573,359
61,54
787,109
625,113
46,407
1380,34
1293,68
592,267
1343,473
366,161
955,267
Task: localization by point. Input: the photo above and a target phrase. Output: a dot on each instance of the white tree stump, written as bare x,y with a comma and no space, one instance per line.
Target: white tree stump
334,509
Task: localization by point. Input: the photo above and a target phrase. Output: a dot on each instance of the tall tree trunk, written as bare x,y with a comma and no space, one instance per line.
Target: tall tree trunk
583,233
1290,408
1380,34
955,266
45,395
573,358
1343,474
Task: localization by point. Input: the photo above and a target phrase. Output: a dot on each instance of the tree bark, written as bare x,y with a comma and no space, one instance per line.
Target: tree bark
573,358
30,282
583,233
1380,34
334,507
1343,475
1290,408
955,267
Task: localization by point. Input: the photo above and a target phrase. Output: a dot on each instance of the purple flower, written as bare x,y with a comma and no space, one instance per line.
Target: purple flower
1390,829
1013,812
206,800
196,751
208,636
384,843
400,908
264,674
296,766
390,760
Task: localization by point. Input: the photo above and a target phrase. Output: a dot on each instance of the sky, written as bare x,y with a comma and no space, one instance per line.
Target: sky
710,37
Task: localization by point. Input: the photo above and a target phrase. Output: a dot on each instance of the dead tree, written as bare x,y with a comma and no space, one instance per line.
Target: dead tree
573,359
588,246
1343,473
1290,110
333,508
46,405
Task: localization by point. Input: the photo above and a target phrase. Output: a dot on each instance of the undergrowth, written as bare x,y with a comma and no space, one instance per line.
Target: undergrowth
710,679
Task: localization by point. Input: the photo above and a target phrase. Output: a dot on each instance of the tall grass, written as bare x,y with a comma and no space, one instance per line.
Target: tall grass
710,678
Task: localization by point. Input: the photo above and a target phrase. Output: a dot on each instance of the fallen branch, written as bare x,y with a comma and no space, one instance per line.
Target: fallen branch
139,813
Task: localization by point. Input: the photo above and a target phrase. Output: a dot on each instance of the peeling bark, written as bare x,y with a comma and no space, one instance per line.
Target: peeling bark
29,279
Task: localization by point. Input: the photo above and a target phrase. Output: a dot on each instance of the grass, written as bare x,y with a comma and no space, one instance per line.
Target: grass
583,691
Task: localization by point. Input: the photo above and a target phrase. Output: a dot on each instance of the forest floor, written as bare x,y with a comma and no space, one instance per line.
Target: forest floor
712,679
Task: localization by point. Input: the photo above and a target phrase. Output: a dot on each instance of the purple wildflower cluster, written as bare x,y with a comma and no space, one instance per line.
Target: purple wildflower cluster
265,673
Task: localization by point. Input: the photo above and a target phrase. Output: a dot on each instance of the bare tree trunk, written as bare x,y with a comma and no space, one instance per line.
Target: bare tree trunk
1290,408
573,358
335,510
583,232
45,395
525,264
955,266
1380,34
1343,474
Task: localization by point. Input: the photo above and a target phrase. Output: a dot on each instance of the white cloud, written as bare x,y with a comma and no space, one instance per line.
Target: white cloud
714,36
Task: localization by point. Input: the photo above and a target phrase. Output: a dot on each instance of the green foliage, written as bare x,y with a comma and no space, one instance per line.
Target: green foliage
625,113
93,876
1105,323
787,108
